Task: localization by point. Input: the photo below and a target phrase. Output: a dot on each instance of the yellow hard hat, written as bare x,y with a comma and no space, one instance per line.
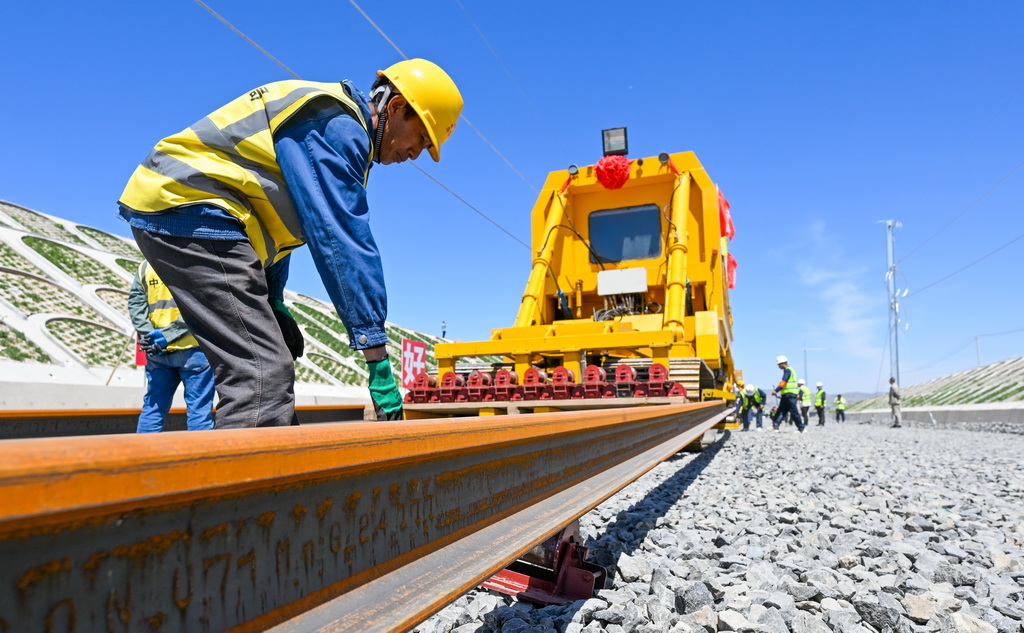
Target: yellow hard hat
432,94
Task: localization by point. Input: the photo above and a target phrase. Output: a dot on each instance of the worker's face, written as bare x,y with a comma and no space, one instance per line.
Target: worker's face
404,138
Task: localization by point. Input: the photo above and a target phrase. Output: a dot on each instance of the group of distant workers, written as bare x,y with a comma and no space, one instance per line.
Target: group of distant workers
216,210
794,402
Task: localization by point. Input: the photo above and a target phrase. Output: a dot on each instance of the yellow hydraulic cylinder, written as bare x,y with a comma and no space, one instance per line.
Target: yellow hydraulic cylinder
573,361
535,285
675,301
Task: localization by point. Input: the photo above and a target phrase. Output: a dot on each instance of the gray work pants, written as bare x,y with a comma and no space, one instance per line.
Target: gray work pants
895,414
221,290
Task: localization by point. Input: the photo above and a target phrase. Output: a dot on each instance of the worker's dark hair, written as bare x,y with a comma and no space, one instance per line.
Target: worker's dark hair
376,96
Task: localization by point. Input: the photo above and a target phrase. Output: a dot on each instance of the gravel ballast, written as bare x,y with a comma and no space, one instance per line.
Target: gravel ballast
848,528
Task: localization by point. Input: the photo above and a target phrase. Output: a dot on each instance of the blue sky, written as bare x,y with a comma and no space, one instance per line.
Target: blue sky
816,119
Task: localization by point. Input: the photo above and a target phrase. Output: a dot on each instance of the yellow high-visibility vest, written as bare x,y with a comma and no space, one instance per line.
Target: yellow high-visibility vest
819,398
791,386
162,309
227,160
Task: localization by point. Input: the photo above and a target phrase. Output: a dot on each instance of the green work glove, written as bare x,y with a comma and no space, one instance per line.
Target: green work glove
387,400
289,328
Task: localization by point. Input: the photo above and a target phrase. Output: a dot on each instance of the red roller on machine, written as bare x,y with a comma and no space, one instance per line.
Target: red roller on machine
535,385
554,572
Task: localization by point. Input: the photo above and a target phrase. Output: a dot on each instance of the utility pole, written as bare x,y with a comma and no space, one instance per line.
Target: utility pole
894,301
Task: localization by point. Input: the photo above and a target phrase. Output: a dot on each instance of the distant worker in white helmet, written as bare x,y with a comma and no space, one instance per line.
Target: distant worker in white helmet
752,401
819,404
803,395
787,391
218,207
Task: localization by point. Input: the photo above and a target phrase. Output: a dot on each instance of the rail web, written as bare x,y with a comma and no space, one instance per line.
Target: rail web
361,526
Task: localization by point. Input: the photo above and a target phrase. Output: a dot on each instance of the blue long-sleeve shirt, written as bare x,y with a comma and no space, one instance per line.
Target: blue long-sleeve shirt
323,152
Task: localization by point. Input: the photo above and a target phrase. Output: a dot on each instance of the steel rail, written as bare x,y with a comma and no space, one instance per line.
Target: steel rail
29,423
348,527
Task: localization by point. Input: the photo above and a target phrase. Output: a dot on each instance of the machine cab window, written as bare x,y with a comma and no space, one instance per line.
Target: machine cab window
626,233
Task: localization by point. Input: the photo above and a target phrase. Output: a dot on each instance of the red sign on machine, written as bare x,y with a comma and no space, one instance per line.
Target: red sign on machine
414,361
140,356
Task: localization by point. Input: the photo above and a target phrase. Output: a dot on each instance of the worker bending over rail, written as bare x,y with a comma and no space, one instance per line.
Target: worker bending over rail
218,208
788,387
752,400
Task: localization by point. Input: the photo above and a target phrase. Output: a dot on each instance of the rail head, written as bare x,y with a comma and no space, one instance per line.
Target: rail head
245,530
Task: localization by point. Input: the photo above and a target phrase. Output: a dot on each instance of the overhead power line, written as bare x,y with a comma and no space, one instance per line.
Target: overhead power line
508,73
379,30
956,161
1018,330
478,211
961,214
461,116
246,38
963,268
265,52
946,356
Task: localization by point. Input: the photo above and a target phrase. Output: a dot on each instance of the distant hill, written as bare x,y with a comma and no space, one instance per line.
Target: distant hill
64,311
1001,382
856,396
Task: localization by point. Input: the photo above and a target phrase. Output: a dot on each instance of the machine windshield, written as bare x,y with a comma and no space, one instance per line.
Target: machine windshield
627,233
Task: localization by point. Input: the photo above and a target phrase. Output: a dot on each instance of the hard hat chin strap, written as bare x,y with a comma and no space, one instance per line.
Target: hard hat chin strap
380,97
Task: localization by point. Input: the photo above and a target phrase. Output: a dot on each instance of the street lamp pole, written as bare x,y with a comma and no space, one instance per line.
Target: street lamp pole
807,372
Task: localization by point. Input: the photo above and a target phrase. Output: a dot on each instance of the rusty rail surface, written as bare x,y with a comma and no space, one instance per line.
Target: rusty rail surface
349,527
26,423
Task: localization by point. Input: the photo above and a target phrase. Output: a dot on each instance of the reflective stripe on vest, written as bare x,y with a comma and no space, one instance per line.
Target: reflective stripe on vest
819,398
791,386
227,160
162,309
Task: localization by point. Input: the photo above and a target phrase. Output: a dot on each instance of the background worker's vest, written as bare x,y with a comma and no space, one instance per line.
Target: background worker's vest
162,309
748,401
841,404
805,395
228,160
819,398
791,385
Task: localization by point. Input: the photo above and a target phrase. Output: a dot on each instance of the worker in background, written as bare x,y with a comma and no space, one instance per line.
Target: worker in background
738,391
218,208
172,356
803,395
444,329
752,401
894,402
819,404
787,391
840,408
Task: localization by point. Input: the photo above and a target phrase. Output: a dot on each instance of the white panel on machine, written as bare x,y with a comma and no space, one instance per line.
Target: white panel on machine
621,282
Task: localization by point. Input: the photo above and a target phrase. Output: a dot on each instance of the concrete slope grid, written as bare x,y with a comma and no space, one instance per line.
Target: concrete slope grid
66,339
